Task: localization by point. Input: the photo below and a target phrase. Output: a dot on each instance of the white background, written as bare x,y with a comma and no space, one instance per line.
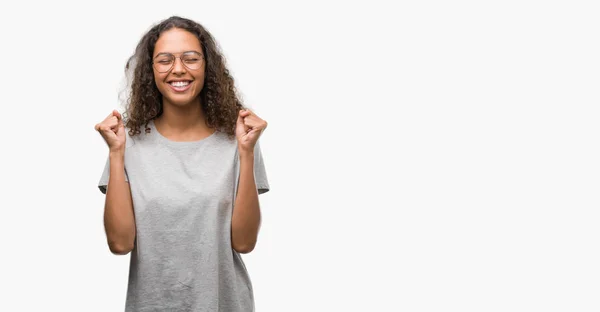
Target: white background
422,155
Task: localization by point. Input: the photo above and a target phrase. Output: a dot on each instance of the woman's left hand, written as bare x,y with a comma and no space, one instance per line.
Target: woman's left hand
248,129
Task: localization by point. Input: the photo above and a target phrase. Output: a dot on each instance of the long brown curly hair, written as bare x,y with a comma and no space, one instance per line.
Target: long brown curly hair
219,98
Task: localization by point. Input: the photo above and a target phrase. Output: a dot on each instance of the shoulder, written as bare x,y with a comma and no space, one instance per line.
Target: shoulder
225,138
129,139
138,137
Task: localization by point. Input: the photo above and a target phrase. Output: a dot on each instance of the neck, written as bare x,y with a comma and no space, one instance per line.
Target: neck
177,118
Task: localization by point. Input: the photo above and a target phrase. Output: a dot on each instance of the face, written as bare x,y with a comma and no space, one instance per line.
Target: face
178,64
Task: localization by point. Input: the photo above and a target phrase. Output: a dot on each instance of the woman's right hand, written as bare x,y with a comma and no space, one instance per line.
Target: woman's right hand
112,130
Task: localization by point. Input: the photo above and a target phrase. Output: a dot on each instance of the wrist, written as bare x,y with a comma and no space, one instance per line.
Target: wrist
246,154
116,154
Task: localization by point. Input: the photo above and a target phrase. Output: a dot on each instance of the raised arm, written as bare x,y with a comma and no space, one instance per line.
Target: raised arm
119,222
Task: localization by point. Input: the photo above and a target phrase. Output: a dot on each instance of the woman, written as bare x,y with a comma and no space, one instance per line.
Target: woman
182,195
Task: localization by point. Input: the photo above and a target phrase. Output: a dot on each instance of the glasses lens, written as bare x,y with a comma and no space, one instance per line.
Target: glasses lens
192,60
163,63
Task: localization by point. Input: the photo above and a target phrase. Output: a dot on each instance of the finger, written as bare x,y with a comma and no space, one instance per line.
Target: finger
255,122
120,123
113,122
117,114
240,120
254,132
104,129
109,124
252,115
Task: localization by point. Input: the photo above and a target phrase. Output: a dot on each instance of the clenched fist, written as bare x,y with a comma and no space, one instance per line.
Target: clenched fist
248,129
112,130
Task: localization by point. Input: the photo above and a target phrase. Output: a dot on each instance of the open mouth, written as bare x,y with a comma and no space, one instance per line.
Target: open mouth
180,86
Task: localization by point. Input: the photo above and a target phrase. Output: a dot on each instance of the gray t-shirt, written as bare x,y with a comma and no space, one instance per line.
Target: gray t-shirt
183,195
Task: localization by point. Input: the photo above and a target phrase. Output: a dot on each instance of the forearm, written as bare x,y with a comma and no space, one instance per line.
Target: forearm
245,221
119,221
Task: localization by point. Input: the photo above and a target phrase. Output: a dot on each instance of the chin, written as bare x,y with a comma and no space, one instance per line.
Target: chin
181,100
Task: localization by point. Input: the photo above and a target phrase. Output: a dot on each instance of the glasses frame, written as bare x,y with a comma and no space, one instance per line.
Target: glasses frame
154,63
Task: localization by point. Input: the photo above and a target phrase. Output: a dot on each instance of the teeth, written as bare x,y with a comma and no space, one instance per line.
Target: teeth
180,83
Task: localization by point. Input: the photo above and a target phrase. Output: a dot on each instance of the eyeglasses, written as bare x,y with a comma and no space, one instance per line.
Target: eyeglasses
165,61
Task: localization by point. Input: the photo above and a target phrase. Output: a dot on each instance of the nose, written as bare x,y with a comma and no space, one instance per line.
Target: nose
178,67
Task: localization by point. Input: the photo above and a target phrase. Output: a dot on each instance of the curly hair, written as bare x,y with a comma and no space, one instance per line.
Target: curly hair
219,98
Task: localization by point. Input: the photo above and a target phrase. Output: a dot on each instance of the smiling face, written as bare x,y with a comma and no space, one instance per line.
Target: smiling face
178,67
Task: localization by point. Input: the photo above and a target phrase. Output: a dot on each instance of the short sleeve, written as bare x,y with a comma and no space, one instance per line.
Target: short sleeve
103,183
260,172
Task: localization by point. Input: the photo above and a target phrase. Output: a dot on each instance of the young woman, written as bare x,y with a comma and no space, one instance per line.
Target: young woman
182,195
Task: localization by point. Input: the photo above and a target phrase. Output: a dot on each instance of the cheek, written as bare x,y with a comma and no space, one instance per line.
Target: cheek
159,81
200,81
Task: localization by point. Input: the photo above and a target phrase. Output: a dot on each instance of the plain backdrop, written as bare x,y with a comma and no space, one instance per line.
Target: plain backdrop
422,155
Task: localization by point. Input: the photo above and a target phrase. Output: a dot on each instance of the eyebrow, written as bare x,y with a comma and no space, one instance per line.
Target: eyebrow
184,52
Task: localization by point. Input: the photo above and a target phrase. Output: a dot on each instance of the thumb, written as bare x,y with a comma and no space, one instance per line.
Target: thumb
240,119
121,124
